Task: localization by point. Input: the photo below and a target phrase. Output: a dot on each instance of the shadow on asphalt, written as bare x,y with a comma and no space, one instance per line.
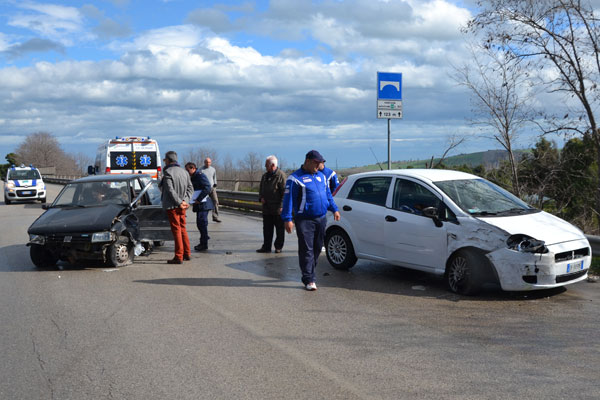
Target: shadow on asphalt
365,276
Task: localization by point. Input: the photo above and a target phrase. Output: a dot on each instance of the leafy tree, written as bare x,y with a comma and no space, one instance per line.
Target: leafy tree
540,170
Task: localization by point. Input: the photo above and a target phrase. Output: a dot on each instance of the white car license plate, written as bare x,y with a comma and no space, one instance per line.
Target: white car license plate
25,193
68,239
575,266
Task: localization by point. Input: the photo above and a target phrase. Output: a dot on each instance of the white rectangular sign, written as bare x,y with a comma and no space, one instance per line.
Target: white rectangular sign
389,109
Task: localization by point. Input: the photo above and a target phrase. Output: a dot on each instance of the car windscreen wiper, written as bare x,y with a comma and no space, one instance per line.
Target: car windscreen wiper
69,205
517,211
484,213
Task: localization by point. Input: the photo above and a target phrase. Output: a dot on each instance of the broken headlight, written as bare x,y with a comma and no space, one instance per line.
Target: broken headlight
526,244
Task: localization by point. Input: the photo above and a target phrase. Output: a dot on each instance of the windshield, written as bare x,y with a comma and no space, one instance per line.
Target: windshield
23,174
480,197
87,194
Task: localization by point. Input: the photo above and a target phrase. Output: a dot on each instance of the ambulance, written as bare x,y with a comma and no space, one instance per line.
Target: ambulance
128,155
24,183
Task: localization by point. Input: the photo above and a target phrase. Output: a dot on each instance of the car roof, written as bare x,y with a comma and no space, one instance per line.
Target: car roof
431,175
111,177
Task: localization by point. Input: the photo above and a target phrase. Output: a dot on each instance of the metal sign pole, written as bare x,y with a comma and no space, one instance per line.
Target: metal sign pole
389,144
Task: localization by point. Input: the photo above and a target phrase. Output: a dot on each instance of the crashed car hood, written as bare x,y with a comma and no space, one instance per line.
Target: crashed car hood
64,220
540,225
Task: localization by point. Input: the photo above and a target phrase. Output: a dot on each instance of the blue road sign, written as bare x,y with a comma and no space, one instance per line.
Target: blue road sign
389,86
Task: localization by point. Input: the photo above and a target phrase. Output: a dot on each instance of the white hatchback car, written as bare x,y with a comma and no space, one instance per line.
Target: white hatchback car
453,224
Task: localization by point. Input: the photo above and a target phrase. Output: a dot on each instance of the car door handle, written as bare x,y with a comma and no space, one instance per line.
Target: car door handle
389,218
347,208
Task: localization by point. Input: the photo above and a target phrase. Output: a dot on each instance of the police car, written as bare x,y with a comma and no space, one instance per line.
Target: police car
24,183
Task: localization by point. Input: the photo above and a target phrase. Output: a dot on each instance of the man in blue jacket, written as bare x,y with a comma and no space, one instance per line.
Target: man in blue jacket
201,203
306,201
331,177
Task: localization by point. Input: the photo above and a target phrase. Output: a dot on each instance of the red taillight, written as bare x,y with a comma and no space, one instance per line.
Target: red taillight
107,170
158,168
339,186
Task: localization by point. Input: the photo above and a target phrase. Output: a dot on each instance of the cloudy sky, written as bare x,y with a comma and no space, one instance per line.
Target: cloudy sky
280,76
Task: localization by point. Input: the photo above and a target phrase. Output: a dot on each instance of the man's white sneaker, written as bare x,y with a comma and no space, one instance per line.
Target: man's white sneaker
311,286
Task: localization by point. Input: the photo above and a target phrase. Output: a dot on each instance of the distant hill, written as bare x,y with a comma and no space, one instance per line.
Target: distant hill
489,159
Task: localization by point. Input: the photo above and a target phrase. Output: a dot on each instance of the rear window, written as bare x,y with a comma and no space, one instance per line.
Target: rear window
371,190
127,160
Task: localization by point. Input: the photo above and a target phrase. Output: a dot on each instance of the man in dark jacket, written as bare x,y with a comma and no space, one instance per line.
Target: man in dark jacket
177,191
201,203
272,188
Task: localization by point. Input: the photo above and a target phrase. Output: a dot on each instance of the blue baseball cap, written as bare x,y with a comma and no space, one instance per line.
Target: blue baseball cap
315,155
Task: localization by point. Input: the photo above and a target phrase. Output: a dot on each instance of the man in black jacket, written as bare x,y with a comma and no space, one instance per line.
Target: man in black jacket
201,203
272,188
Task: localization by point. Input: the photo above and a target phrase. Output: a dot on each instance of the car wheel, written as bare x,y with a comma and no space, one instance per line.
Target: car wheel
339,250
120,253
43,200
42,257
6,201
463,273
158,243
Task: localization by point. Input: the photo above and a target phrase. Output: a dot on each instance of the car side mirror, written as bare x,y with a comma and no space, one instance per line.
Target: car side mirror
91,170
432,212
45,206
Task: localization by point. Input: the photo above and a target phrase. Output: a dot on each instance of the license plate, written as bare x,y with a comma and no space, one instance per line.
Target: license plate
25,193
68,239
574,266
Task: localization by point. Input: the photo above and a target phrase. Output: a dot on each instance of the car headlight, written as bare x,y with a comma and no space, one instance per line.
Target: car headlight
37,239
102,237
10,185
526,244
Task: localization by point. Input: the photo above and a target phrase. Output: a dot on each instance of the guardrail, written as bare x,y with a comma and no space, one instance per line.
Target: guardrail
249,201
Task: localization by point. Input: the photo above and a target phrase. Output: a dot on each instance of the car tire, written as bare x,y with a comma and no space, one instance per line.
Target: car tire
339,250
43,200
6,201
120,253
464,272
158,243
42,257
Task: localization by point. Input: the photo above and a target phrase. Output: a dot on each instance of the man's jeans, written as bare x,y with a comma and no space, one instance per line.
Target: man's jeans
202,224
311,235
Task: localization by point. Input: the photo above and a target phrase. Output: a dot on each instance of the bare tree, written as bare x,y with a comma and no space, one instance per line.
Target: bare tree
197,155
83,160
453,142
251,166
560,35
43,150
501,98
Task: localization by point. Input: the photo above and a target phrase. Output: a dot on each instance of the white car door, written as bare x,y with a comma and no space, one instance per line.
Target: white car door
411,238
363,210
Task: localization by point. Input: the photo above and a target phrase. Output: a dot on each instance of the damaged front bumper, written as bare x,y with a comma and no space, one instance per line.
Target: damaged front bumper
563,264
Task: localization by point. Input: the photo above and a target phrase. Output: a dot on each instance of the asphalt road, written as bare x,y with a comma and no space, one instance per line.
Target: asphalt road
234,324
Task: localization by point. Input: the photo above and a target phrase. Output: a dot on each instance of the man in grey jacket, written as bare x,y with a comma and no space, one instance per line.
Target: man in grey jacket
177,191
211,174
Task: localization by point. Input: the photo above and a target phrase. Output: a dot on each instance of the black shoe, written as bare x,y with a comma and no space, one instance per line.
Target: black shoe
263,250
200,248
175,261
216,220
187,257
277,251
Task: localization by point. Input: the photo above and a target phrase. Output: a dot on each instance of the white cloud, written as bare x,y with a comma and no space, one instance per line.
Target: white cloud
55,22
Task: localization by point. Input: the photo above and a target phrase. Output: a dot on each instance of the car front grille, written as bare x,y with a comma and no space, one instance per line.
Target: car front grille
570,277
572,254
75,239
27,193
